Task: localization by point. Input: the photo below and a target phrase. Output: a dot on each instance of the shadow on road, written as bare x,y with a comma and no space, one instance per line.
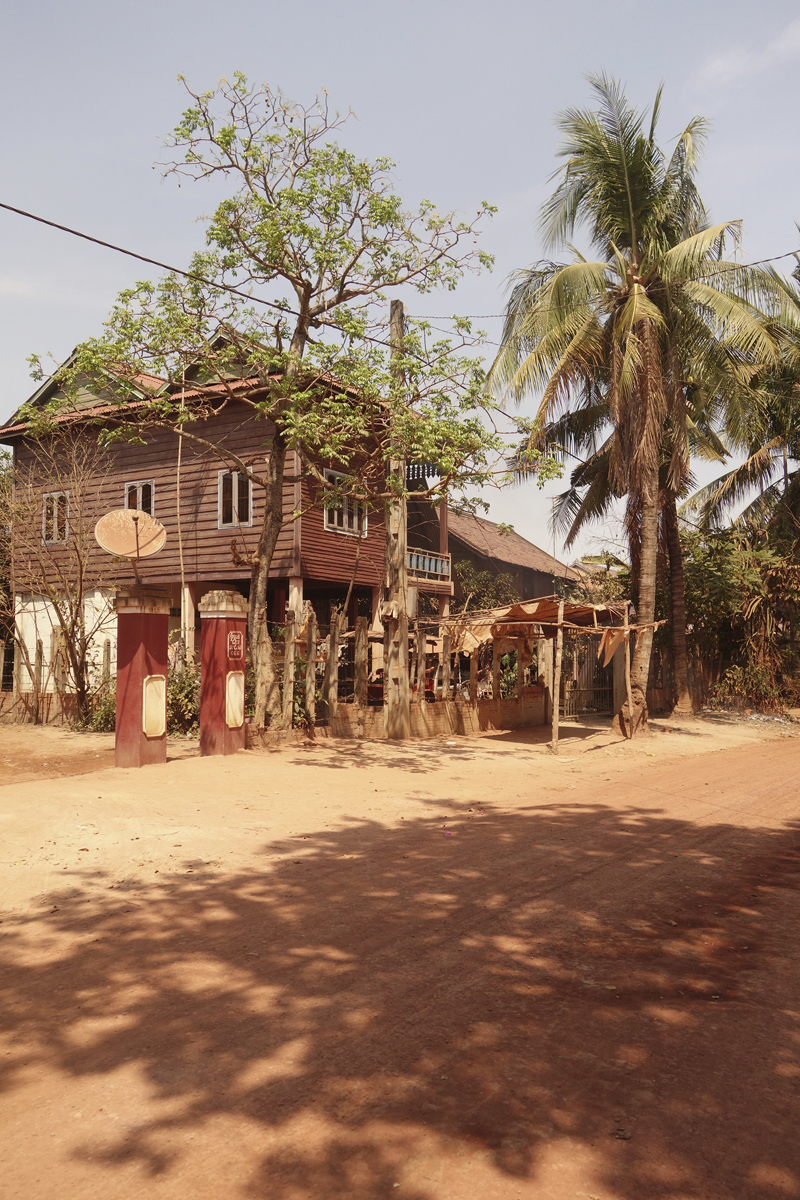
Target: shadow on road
620,979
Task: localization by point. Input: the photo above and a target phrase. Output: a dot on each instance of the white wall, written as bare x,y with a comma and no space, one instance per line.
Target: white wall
37,621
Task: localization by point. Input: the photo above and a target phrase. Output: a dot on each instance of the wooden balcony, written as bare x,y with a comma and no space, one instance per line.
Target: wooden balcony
424,565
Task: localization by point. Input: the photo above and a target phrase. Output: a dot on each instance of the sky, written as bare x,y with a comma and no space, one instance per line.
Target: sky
462,96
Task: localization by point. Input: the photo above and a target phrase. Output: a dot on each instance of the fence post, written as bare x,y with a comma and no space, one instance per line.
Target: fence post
332,671
446,667
288,671
311,668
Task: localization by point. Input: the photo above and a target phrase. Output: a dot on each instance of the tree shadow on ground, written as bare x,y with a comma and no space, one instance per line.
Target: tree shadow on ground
418,757
618,979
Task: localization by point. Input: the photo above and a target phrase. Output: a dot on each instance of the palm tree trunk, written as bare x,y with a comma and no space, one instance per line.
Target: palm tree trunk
680,658
630,722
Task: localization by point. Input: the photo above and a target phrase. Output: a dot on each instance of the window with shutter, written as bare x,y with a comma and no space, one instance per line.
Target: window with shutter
140,494
55,517
348,516
235,500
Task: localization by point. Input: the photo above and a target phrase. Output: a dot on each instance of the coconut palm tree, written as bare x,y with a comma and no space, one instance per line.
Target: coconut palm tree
764,433
582,437
626,325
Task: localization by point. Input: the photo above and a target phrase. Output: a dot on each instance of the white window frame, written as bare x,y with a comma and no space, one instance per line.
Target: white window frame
55,541
139,484
330,514
235,523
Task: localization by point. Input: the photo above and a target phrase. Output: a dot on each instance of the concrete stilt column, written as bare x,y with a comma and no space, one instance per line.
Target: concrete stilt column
142,635
223,626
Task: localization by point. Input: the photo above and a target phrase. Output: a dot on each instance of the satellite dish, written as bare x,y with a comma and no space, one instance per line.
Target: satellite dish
130,533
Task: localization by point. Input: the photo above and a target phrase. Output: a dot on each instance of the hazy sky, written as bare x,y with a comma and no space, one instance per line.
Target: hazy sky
461,95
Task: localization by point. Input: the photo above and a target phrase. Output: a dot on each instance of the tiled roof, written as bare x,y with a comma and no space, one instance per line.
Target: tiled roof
510,549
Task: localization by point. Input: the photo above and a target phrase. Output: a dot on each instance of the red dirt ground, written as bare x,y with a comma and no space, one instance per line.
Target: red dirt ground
428,971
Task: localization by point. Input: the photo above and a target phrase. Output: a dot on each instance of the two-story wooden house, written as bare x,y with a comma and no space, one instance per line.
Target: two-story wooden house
212,515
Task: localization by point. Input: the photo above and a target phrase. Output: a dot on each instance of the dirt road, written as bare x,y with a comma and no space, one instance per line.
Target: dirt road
434,971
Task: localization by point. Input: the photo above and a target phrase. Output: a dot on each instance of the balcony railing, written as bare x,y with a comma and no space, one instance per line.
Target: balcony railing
422,564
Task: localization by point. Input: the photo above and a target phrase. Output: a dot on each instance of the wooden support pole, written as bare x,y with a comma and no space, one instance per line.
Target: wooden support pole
557,675
446,667
414,680
473,678
288,670
311,667
626,646
496,656
361,662
396,690
521,664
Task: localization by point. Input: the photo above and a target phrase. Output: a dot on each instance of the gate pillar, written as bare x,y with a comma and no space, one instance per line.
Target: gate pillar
142,638
223,625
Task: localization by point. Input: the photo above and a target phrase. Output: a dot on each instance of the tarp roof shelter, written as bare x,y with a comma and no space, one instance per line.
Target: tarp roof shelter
529,619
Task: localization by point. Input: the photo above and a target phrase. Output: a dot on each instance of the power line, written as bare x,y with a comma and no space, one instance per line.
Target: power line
154,262
193,275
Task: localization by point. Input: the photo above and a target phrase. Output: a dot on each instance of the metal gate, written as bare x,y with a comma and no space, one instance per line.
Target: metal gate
587,687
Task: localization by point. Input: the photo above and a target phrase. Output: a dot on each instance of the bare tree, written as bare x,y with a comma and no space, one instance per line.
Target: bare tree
55,598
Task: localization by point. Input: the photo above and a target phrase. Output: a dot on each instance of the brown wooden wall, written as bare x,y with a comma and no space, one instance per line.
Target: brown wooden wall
304,547
331,556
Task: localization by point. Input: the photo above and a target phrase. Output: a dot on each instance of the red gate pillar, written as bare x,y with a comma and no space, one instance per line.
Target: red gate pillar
142,637
223,624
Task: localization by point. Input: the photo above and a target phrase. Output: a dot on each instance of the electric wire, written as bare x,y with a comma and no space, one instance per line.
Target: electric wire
193,275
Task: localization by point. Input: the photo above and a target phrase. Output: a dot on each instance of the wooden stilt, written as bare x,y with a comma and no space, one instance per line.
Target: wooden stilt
557,675
311,668
361,664
288,671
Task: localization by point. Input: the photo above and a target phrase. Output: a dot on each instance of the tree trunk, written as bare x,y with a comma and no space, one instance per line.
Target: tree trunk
267,693
680,659
629,722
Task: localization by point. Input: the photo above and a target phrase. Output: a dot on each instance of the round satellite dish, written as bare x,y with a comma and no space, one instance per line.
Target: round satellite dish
130,533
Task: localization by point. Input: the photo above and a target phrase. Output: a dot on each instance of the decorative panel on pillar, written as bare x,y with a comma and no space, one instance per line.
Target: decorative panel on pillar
223,620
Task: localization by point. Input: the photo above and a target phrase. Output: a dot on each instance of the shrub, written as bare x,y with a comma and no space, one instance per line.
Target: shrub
183,700
748,686
104,710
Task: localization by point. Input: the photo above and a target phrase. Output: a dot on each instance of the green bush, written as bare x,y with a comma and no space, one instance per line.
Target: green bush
104,710
183,701
747,686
